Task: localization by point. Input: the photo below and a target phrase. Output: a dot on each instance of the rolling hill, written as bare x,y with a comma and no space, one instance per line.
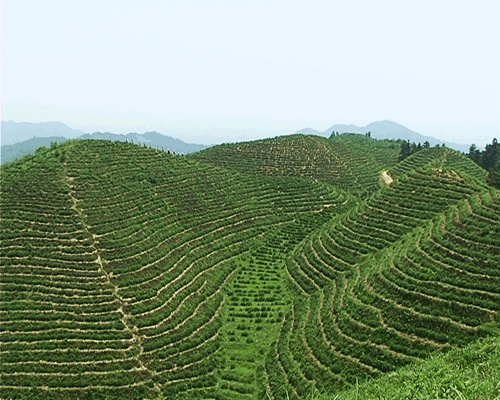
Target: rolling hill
351,162
11,152
261,269
23,138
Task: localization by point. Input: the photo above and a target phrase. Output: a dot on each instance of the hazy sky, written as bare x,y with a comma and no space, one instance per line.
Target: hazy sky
214,71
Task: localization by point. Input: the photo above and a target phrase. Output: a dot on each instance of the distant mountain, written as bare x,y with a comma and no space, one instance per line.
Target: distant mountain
387,130
310,131
15,132
22,138
11,152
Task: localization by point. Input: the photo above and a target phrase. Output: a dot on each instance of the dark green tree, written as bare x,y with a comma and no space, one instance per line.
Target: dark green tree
413,148
493,178
474,154
491,156
489,159
405,150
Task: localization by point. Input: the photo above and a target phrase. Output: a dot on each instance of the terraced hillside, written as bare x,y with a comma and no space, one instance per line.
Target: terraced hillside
412,270
122,268
440,157
351,162
131,273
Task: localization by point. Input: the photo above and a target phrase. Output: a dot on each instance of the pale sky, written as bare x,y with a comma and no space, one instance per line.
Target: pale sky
218,71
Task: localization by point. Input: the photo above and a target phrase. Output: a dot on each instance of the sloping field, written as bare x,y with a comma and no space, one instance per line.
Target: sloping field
440,158
472,372
115,261
131,273
412,270
351,162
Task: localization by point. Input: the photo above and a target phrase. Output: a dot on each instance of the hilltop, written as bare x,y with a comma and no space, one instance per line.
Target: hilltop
23,138
266,269
350,162
152,139
11,152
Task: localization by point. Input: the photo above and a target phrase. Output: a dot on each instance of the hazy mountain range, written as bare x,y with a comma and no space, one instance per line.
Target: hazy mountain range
15,132
22,138
386,130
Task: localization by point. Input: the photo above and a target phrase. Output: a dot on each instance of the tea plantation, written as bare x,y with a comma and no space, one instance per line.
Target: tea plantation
268,269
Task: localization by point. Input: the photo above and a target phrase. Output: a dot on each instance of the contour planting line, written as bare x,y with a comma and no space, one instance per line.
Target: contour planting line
124,317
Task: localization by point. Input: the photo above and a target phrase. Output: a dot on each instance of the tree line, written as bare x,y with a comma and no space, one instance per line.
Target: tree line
408,149
489,159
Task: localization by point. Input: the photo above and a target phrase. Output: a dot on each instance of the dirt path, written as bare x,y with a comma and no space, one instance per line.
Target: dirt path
124,317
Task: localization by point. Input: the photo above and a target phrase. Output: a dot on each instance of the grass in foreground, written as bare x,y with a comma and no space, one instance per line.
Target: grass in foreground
471,373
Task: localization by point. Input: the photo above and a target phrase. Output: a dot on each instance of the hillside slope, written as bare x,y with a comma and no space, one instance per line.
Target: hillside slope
412,270
350,162
264,269
472,372
11,152
122,267
23,138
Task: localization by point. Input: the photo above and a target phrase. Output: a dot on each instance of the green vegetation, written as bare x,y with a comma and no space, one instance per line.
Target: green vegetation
410,271
469,373
269,269
350,162
489,159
